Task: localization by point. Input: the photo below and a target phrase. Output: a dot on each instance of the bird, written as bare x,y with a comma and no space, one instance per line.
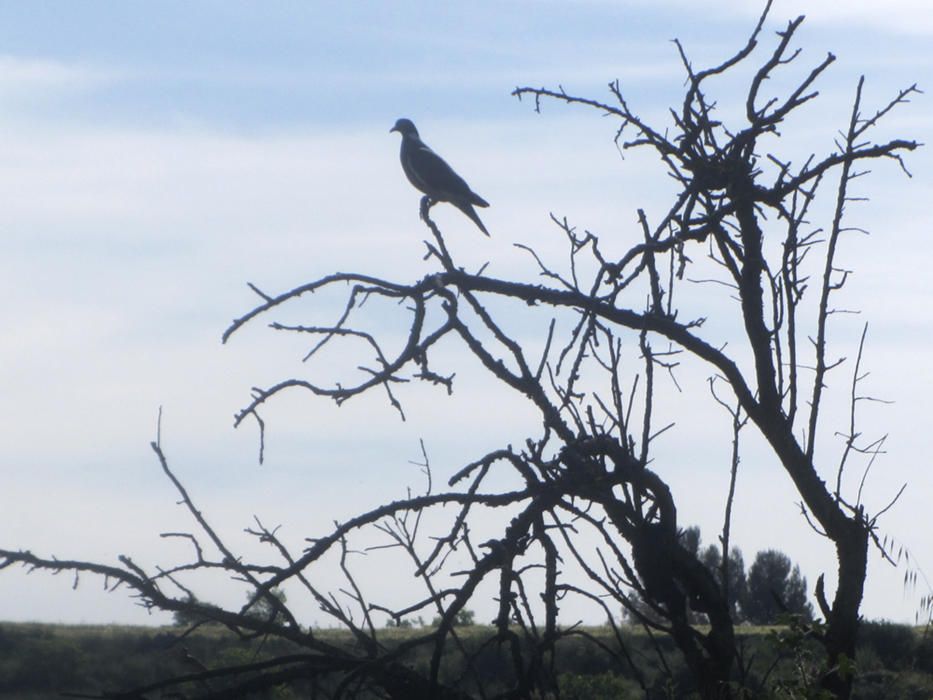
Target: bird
430,173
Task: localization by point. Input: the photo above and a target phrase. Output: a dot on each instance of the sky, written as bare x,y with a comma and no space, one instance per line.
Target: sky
157,158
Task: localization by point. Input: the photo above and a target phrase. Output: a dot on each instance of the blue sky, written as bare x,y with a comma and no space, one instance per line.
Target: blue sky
156,158
311,63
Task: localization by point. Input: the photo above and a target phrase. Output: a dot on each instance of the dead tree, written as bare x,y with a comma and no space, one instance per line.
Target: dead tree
741,205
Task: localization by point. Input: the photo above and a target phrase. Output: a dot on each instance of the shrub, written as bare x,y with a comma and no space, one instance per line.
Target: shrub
895,644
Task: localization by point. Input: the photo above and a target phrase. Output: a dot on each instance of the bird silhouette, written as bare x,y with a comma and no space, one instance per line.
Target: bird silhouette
430,173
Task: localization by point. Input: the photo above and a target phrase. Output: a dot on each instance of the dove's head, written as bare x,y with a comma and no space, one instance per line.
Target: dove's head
405,127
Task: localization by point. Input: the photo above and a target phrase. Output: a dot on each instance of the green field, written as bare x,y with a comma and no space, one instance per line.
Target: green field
42,661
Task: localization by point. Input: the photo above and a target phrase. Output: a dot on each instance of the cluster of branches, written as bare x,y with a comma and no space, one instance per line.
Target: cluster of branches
589,473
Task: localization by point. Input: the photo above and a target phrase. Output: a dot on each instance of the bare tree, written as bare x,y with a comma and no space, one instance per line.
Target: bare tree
740,204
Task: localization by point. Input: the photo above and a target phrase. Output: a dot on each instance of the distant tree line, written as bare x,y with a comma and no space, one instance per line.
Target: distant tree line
770,590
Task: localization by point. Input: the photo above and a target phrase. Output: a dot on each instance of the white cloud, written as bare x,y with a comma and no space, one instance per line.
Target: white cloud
36,77
903,16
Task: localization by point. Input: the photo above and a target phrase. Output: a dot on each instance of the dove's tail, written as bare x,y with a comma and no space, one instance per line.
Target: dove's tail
468,209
